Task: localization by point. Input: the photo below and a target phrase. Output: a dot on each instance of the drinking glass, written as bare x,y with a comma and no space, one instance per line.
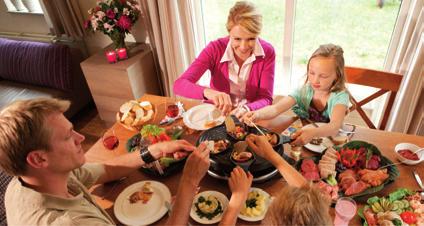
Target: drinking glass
110,140
345,211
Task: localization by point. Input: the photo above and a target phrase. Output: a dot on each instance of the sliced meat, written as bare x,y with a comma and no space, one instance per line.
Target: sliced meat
308,165
312,175
356,188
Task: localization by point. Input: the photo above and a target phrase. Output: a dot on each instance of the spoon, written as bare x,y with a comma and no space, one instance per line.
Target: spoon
420,183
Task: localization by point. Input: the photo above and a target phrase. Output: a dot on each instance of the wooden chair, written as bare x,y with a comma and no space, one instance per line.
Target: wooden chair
385,81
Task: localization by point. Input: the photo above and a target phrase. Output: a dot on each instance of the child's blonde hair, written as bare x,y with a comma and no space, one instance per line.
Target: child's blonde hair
335,52
299,206
247,16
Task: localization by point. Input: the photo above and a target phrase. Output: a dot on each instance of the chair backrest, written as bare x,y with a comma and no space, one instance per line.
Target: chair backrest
385,81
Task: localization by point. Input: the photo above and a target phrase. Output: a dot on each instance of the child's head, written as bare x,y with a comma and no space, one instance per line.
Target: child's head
299,206
325,69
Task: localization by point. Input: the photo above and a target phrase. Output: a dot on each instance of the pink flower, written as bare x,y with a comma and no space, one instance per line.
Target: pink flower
124,23
86,24
123,1
110,13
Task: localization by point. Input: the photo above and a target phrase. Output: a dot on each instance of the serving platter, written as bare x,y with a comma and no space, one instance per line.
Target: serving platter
384,163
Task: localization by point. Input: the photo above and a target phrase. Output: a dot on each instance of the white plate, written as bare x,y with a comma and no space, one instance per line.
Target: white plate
221,197
196,117
139,213
267,203
317,148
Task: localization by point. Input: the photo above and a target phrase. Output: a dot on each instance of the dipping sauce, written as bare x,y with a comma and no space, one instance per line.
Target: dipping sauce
408,154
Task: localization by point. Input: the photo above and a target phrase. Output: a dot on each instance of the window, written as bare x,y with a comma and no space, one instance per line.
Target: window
297,27
24,6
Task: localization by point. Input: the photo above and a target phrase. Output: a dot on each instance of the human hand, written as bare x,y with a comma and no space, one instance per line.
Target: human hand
239,184
249,117
239,112
220,99
261,146
302,136
196,166
177,148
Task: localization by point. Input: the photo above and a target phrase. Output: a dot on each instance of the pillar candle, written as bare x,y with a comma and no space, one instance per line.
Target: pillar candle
111,56
122,53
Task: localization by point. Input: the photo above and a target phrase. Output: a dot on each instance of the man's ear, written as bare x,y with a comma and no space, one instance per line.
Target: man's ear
37,159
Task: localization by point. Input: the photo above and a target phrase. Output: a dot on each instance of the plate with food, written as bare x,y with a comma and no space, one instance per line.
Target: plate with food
142,203
208,207
317,144
355,169
203,117
256,205
401,207
151,134
134,114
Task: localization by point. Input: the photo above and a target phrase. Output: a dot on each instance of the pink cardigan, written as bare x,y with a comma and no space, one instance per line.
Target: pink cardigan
259,86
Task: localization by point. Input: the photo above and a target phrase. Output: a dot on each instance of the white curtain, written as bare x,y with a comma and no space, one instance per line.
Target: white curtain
170,27
406,56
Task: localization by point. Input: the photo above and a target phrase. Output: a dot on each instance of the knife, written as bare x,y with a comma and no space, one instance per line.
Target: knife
418,179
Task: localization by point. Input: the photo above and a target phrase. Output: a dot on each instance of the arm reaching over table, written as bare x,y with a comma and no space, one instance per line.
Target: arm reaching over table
261,146
123,165
239,184
194,170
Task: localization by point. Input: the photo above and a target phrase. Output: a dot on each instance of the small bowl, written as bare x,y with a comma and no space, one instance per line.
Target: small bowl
414,148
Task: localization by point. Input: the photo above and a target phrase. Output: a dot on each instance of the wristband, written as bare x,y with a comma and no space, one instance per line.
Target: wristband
146,156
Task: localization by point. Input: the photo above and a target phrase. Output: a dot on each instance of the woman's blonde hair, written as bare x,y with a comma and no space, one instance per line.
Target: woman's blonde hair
335,52
23,128
299,206
246,15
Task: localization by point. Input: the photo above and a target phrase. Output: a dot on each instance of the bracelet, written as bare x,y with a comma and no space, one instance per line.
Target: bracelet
146,156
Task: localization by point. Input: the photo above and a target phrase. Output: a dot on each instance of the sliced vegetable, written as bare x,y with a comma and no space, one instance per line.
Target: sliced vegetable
409,217
399,194
331,180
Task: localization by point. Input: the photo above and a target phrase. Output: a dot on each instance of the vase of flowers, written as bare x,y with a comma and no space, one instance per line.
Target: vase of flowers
113,18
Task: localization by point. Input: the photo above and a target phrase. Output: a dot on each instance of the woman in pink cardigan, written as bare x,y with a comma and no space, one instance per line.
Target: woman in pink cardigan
242,66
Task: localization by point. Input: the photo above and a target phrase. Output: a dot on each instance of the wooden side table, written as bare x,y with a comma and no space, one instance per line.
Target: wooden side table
113,84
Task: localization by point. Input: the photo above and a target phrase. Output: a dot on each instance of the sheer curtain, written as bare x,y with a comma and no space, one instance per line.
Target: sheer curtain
170,27
406,56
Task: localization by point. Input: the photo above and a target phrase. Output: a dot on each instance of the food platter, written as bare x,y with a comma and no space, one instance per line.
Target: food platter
133,114
401,207
165,166
360,169
222,165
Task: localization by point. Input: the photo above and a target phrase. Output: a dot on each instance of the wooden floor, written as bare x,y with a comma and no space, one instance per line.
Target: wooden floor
89,124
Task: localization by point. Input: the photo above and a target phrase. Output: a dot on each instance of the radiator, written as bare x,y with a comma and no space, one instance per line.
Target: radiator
78,44
28,36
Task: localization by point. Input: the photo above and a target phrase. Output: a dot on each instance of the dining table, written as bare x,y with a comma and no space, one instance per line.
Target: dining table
106,194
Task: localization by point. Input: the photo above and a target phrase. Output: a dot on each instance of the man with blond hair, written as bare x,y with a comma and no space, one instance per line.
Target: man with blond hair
43,152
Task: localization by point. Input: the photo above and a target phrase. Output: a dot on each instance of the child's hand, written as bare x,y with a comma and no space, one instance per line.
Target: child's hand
302,136
249,117
261,146
239,184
